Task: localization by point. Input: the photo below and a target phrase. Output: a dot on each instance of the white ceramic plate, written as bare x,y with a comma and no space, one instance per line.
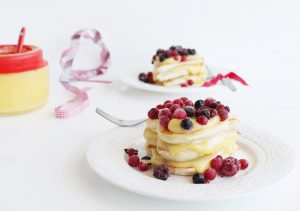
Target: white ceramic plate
131,79
270,160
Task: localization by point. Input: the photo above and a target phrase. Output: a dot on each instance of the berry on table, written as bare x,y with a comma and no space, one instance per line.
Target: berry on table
153,113
243,164
202,120
131,151
134,160
198,178
210,174
217,163
186,124
143,166
179,114
161,172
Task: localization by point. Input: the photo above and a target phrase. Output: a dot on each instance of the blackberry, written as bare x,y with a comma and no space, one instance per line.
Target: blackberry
186,124
199,103
161,172
198,178
189,110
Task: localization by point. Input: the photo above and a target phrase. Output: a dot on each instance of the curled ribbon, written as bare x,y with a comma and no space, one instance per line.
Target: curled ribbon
230,75
81,101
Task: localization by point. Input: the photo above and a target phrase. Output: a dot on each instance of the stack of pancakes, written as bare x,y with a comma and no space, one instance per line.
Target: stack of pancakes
186,152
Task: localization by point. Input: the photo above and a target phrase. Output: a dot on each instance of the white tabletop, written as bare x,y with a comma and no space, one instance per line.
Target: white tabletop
42,159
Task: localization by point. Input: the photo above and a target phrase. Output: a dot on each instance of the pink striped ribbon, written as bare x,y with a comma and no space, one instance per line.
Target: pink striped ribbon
81,101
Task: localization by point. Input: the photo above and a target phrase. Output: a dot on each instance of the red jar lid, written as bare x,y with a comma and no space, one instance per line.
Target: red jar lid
30,58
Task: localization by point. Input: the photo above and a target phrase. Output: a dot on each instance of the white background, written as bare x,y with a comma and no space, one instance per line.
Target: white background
42,159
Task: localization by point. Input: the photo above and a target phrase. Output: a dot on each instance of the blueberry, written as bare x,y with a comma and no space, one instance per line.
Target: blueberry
189,110
199,103
142,77
213,105
161,172
198,178
205,112
186,124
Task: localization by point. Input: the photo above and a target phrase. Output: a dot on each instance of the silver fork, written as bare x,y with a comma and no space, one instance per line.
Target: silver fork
120,122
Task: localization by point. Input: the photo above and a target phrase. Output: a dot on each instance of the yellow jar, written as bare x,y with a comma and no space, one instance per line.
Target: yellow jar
24,80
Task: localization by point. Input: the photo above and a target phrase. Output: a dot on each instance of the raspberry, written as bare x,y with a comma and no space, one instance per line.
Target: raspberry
198,178
186,124
174,107
134,160
183,85
189,110
160,106
184,99
243,164
209,101
179,114
168,105
188,103
190,82
165,112
216,163
164,121
223,113
213,113
167,101
143,166
210,174
199,103
150,79
161,172
178,101
230,167
183,58
153,113
131,151
220,106
202,120
227,108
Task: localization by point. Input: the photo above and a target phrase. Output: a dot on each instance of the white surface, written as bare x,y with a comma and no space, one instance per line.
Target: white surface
42,159
270,161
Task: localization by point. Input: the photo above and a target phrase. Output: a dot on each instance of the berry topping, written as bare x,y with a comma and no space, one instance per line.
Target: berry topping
188,103
179,114
202,120
143,166
160,106
190,82
217,163
199,104
134,160
213,105
210,174
161,172
131,151
230,167
223,113
174,107
150,79
220,106
183,58
198,178
165,112
153,113
205,112
164,121
243,164
184,99
227,108
186,124
189,110
213,113
209,101
178,101
168,105
167,101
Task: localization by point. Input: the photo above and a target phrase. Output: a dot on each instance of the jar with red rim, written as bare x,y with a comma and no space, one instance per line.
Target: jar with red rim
24,79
